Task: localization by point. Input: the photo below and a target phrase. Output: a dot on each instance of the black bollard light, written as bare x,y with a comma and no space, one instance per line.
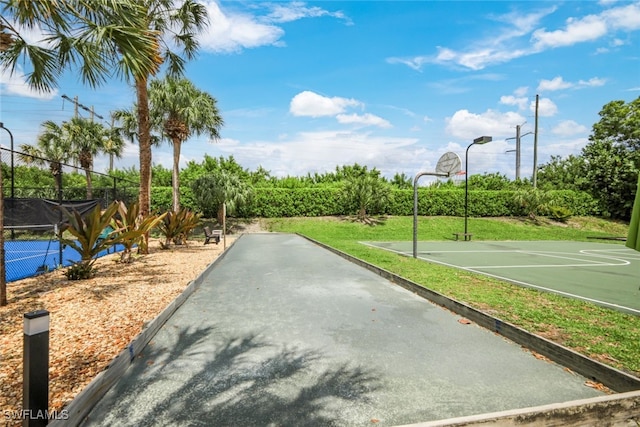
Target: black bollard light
35,389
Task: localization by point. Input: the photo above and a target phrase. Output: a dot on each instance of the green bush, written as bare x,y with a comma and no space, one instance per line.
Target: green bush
559,213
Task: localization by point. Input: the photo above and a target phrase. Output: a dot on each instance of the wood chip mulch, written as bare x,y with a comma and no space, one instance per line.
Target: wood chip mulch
92,321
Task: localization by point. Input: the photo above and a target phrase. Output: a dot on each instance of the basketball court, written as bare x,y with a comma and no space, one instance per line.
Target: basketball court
605,274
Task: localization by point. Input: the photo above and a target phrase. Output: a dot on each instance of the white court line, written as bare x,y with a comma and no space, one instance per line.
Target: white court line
584,263
41,255
518,282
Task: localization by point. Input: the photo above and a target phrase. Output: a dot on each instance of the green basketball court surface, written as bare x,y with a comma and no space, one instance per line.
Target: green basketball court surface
602,273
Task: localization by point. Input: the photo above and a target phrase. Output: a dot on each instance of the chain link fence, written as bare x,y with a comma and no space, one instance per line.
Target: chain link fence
33,190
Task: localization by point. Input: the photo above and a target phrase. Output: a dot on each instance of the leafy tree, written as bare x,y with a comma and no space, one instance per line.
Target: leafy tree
489,181
211,164
181,110
402,181
612,157
161,176
216,189
53,147
567,173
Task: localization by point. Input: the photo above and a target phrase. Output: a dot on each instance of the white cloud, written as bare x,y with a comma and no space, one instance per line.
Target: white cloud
593,82
322,151
546,107
16,84
589,28
510,41
520,102
521,91
558,83
233,32
298,10
624,18
363,119
494,49
415,63
230,31
466,125
569,128
311,104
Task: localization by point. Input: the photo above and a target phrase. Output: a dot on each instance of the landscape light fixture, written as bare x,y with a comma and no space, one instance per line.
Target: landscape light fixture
478,141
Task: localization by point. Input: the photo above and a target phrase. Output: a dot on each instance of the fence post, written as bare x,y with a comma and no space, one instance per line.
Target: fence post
35,381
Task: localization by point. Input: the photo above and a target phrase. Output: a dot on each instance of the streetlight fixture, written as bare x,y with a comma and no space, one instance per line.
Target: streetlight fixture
478,141
12,172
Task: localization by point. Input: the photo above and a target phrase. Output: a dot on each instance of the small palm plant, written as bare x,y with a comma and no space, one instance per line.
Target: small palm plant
533,202
89,240
365,193
176,226
132,227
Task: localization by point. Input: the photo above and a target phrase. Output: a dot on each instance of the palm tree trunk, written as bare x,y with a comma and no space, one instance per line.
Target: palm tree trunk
87,172
220,215
144,141
176,174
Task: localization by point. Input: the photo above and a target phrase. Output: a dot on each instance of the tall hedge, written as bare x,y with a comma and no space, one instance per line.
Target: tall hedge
325,201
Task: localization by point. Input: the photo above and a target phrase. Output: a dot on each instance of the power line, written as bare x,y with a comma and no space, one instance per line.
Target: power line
78,105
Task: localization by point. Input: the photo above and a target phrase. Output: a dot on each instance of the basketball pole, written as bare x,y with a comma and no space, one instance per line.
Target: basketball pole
415,206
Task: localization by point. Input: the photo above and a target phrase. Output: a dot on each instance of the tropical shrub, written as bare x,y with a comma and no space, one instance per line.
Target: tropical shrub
131,227
559,213
365,194
89,240
177,226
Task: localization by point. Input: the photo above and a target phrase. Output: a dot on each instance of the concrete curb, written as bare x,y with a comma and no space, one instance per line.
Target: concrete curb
617,410
615,379
82,404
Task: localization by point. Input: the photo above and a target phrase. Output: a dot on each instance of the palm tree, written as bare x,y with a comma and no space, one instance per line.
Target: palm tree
53,147
162,19
221,190
113,145
181,110
87,141
366,192
98,36
132,37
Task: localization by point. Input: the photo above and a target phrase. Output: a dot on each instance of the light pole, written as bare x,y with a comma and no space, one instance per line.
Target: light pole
480,140
11,139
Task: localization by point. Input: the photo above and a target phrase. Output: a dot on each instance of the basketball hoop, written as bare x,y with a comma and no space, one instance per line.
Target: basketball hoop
449,164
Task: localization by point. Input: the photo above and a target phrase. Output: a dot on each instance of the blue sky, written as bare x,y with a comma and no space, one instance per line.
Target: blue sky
306,86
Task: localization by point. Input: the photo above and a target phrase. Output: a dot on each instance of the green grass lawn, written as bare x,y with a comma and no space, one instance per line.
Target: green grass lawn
605,335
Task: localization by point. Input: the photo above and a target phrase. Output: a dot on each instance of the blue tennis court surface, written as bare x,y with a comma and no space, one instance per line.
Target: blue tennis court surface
602,273
27,258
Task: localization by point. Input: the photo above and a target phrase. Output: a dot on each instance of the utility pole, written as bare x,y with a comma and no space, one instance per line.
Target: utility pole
78,105
518,149
535,146
517,152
